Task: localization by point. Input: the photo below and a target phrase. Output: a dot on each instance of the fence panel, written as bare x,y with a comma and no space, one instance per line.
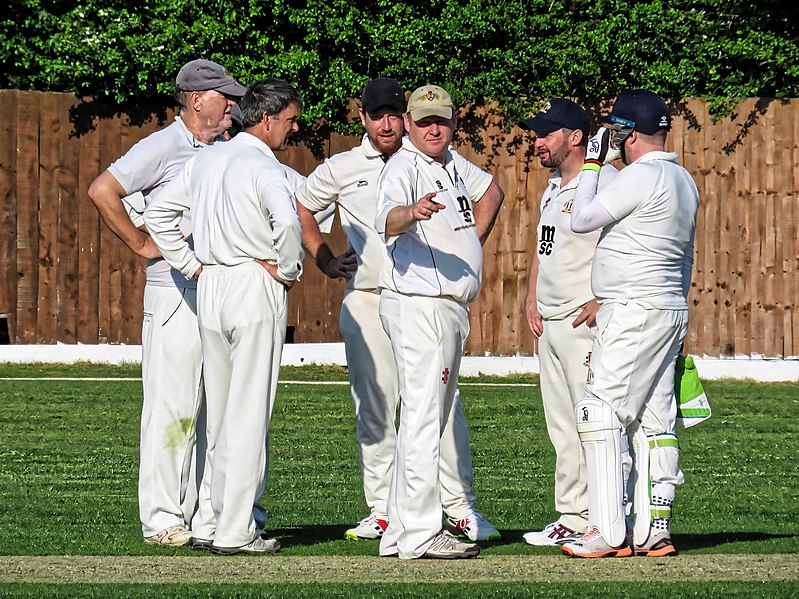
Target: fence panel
64,277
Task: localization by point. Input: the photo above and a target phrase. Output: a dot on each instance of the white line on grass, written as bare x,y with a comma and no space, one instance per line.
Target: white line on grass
136,379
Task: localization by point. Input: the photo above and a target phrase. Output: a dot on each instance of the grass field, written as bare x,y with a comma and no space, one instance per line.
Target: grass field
69,524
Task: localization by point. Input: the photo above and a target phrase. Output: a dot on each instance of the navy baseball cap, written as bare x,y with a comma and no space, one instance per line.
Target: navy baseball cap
557,114
644,108
383,93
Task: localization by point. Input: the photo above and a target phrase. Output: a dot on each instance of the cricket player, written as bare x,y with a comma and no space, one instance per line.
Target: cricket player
432,270
641,276
171,354
349,180
561,310
247,255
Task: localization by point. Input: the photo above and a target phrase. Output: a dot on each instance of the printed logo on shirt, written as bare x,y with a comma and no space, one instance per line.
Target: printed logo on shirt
465,208
445,375
440,187
567,207
547,240
362,183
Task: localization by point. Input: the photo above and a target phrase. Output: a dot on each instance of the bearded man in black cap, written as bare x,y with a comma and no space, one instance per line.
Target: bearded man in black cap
641,276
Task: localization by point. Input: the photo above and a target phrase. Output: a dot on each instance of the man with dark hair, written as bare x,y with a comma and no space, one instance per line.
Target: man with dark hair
247,254
561,309
641,277
171,354
349,180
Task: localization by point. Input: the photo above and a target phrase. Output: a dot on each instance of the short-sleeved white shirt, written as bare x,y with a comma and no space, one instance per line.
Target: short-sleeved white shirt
640,256
243,209
147,167
564,272
350,180
440,257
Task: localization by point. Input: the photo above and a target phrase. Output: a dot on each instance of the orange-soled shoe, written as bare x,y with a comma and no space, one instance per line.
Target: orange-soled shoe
593,545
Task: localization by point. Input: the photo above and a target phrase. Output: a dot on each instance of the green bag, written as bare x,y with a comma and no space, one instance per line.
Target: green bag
692,404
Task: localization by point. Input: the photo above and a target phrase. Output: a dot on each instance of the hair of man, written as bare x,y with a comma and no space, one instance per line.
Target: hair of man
268,96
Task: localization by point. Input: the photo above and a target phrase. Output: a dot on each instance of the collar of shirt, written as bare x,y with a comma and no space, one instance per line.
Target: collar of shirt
369,150
190,139
652,156
250,140
407,145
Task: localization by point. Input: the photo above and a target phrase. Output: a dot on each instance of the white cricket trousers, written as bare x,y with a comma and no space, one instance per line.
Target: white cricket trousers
427,335
242,313
374,385
173,395
632,370
563,353
632,363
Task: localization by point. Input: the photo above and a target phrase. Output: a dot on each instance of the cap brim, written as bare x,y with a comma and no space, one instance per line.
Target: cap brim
400,108
421,113
540,125
232,88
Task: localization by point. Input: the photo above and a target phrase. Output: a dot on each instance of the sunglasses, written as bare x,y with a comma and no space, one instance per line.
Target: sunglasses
620,130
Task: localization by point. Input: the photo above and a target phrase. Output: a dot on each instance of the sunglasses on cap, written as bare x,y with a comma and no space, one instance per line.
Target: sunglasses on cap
621,129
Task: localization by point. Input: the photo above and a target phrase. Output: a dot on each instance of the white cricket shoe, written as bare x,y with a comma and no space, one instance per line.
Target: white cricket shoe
657,545
176,535
447,546
474,527
258,546
554,534
371,527
592,544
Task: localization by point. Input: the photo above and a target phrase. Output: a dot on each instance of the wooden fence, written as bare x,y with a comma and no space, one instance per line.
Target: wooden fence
64,277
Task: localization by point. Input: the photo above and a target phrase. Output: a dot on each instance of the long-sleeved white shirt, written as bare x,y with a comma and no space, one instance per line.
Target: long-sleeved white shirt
645,252
242,206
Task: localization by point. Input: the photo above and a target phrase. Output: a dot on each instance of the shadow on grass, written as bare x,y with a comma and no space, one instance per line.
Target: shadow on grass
309,535
705,541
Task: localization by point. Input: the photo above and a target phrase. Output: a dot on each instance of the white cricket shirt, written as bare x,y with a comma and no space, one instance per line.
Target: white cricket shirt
243,208
440,257
147,167
350,180
640,256
564,272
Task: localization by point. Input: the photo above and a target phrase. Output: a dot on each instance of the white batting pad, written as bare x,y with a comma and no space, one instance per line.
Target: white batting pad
600,434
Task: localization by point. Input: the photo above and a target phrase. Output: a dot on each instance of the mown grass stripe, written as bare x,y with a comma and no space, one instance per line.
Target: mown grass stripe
358,569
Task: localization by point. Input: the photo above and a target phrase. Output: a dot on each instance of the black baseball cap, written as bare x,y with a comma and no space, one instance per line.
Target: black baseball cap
646,109
557,114
383,93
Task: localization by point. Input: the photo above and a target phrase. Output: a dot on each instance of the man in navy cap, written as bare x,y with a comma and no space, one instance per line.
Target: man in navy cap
561,309
171,353
641,276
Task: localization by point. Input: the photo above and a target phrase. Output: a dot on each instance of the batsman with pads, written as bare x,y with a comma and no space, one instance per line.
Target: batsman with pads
641,276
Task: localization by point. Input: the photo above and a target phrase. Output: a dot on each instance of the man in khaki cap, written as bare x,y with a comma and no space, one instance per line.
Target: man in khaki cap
433,228
171,353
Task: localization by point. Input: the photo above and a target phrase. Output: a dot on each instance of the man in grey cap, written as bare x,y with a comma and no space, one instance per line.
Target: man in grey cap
171,353
561,309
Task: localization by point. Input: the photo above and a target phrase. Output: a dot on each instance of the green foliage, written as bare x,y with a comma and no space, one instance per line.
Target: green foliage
514,52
